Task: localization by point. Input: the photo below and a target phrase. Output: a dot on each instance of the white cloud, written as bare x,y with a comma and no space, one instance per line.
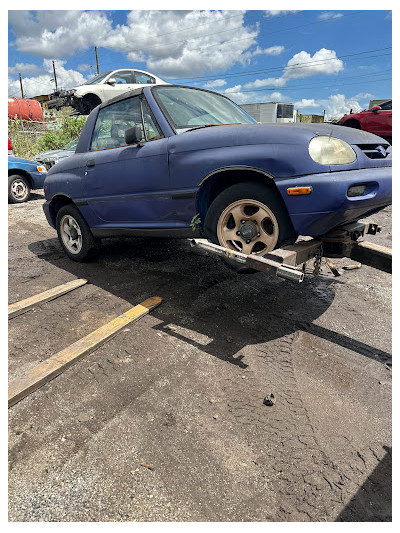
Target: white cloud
55,34
277,97
41,84
363,96
305,102
327,15
214,83
192,42
240,97
304,64
274,82
274,13
24,69
272,50
337,105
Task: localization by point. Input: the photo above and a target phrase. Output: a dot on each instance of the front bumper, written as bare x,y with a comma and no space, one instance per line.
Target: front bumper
46,210
38,179
328,205
64,99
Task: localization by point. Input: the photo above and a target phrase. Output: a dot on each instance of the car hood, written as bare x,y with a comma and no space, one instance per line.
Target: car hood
13,160
60,153
290,133
280,149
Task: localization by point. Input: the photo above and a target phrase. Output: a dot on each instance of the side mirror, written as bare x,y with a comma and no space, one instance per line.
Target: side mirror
112,81
134,135
376,108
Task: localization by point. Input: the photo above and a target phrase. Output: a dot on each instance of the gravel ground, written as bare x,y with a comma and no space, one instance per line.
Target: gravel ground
182,389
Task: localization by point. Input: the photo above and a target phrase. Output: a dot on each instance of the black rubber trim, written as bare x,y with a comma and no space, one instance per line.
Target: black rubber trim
169,233
183,195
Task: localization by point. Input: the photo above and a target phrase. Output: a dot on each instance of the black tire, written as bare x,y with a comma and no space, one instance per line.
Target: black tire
260,192
86,245
19,189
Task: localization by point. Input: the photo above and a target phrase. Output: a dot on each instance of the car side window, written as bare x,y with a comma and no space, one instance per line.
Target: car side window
113,120
123,77
141,77
387,106
152,130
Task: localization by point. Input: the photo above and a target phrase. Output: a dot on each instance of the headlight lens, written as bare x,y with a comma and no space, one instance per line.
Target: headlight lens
331,151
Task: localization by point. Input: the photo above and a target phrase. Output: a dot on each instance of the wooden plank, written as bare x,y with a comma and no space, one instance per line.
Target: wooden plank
55,365
373,255
22,306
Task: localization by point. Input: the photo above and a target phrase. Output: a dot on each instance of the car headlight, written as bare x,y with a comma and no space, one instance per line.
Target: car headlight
331,151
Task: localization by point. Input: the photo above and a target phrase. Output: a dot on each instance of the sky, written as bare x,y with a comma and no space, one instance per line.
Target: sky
327,60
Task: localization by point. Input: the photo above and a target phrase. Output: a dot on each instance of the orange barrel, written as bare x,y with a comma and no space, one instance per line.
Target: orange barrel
25,109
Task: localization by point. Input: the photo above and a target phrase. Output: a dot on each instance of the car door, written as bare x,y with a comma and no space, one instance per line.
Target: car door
124,81
380,122
127,185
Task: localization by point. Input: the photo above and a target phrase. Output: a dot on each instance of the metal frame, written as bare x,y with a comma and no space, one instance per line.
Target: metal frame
341,242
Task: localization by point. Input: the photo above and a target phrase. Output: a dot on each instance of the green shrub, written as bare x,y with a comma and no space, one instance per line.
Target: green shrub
61,129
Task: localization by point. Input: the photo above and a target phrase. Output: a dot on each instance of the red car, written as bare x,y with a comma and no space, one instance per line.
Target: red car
377,120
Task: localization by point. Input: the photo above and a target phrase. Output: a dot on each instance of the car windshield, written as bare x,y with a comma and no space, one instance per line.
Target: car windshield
188,108
97,79
71,145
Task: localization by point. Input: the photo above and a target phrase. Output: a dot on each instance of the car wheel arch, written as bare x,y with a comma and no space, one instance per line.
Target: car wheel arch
352,123
219,180
58,201
22,173
90,96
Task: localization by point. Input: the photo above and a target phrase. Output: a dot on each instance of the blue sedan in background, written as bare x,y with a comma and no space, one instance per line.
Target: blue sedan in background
159,160
23,176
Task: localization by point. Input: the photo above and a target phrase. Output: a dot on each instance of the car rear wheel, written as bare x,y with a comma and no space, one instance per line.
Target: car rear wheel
249,218
74,234
19,189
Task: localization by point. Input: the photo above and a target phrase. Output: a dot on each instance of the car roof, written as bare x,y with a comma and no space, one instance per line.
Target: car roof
123,96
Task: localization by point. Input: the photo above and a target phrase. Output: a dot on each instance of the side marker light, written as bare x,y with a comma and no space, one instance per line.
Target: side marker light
297,191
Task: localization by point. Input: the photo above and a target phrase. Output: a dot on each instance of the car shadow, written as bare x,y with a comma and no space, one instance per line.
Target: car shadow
373,500
205,303
36,195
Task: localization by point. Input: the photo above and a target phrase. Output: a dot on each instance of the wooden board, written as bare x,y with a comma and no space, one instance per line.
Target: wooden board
55,365
22,306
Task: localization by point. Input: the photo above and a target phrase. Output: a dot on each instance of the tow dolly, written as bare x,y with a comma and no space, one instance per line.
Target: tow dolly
343,241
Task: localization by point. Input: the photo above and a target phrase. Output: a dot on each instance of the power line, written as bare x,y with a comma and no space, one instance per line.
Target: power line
291,67
298,87
281,88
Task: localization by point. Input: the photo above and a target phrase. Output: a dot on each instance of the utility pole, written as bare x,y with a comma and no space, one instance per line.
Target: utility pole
97,60
20,82
55,77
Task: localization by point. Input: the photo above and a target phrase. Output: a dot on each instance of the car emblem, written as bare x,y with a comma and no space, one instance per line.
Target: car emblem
381,150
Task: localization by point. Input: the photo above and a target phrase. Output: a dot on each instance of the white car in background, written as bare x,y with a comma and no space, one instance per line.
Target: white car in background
101,88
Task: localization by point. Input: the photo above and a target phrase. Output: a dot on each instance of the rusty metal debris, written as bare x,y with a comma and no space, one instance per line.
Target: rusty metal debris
147,466
269,400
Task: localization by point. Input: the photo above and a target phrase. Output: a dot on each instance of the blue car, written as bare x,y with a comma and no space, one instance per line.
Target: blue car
168,159
23,176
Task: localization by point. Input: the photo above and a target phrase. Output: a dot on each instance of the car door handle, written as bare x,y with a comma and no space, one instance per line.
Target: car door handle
90,163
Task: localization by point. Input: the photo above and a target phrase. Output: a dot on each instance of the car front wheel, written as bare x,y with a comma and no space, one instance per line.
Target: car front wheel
19,189
74,234
249,218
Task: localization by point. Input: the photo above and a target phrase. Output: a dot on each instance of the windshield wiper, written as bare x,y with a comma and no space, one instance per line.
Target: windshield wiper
210,125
